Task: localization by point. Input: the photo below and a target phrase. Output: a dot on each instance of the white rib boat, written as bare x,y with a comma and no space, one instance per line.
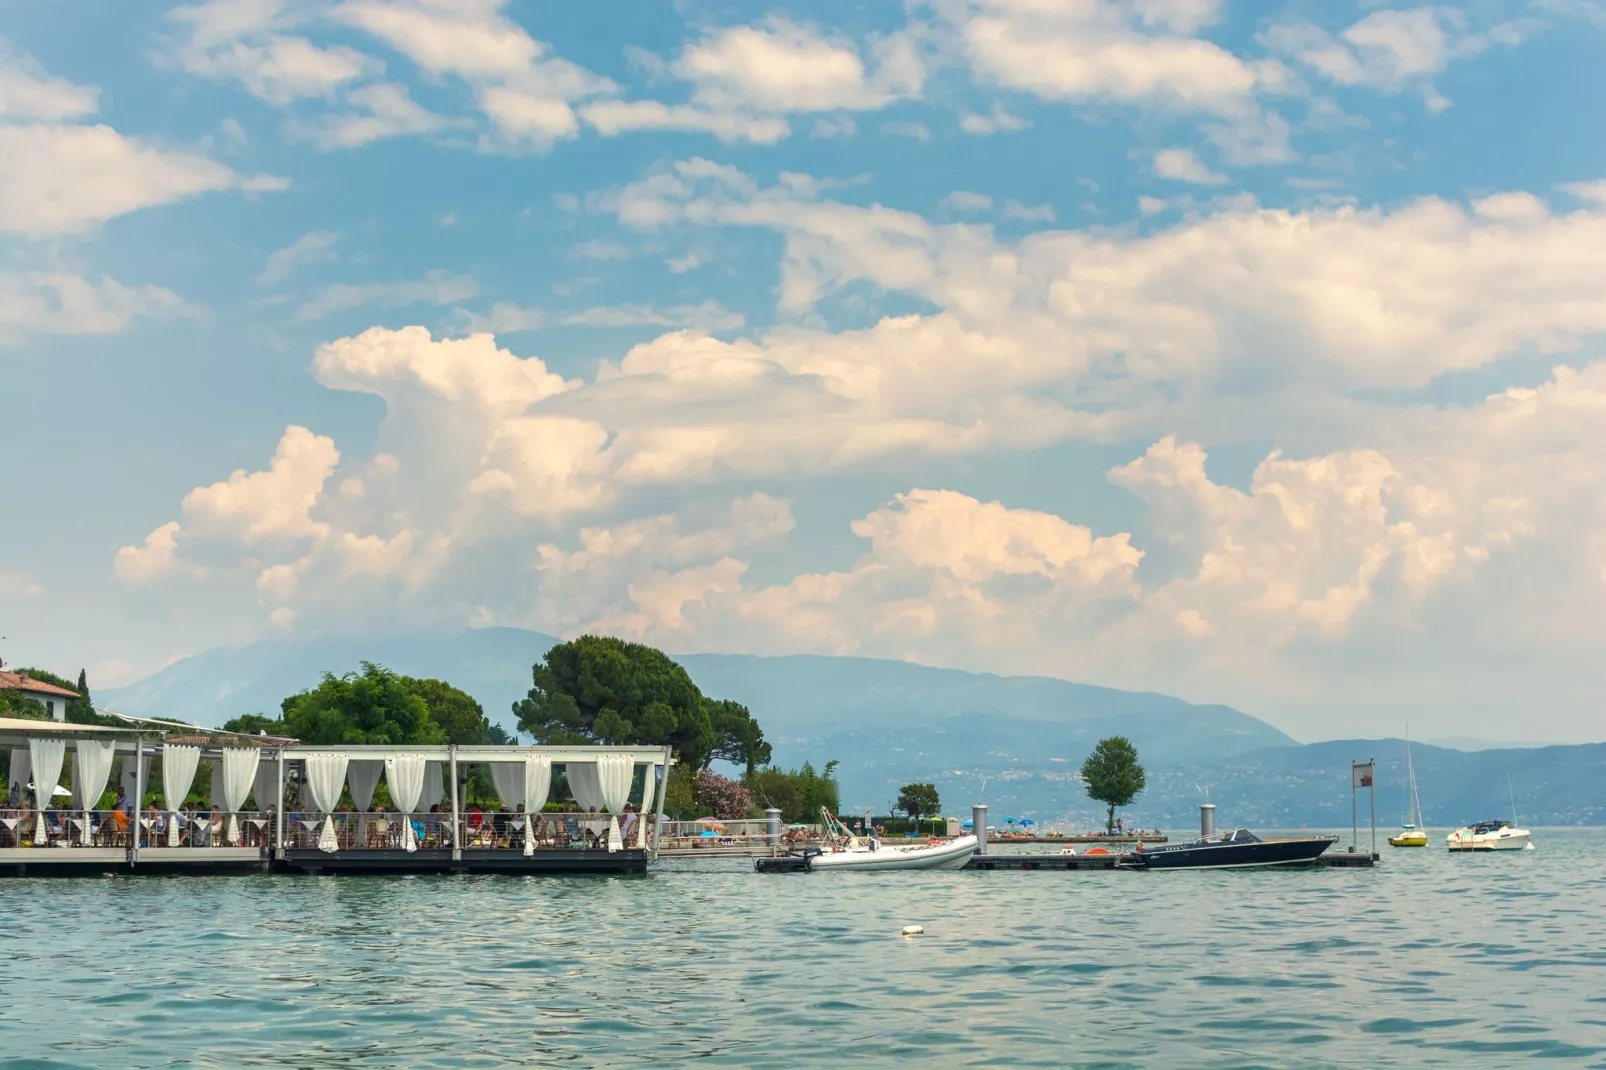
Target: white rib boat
950,854
845,851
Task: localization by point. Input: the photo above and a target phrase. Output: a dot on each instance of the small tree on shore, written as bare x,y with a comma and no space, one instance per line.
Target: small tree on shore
1113,776
917,800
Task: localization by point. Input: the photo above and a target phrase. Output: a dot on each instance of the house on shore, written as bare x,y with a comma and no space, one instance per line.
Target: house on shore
54,699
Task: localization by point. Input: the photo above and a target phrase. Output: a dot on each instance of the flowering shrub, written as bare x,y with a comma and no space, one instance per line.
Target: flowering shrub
722,798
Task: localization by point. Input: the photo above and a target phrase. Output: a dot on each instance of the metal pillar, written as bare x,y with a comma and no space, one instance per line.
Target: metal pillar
1354,821
1372,795
136,804
278,814
978,825
1207,820
772,826
457,848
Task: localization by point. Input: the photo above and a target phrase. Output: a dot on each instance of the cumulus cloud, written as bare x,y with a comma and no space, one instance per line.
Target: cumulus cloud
1180,165
373,113
782,66
28,91
245,42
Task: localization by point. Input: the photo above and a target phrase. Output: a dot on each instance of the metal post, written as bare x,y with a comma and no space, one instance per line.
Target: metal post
1354,823
1372,795
457,847
1207,820
772,826
978,825
137,805
663,791
278,815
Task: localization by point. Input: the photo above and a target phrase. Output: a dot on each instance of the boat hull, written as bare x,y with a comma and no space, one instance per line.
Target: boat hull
951,855
1463,840
1410,839
1260,853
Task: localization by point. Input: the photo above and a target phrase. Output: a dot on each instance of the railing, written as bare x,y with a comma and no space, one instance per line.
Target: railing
743,832
19,827
381,831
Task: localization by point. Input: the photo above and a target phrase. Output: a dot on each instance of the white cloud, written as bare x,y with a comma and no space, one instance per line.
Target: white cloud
19,587
961,200
782,66
706,317
54,302
917,131
435,288
1030,213
273,504
997,120
314,247
1180,165
281,70
28,91
614,117
385,110
153,559
68,179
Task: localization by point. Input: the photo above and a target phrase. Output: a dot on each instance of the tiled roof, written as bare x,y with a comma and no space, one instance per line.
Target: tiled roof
15,681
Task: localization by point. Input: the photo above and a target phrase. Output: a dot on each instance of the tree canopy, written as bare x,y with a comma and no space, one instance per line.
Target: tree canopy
799,794
598,689
457,713
919,800
1112,775
374,707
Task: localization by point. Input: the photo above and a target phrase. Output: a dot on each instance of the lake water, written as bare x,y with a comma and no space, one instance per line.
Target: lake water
1428,960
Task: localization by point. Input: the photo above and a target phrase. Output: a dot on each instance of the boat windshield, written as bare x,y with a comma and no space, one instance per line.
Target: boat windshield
1239,836
1491,826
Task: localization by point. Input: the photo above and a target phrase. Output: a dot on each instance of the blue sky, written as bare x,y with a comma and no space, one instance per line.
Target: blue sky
1246,352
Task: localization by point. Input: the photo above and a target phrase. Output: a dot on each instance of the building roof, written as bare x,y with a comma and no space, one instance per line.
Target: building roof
16,681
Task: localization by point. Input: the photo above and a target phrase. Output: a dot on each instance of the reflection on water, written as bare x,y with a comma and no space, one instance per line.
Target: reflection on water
1428,960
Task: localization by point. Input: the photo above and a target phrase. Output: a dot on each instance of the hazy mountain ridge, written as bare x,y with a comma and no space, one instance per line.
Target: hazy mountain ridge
1013,742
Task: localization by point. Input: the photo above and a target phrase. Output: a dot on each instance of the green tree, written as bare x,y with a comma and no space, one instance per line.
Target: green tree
1113,776
777,788
741,740
919,799
80,710
249,724
459,716
680,793
604,690
374,707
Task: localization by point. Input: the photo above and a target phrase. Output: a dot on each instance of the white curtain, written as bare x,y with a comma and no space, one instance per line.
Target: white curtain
363,776
434,786
613,780
239,768
91,765
21,770
649,793
44,759
583,784
178,773
265,786
615,841
405,775
508,777
326,773
537,783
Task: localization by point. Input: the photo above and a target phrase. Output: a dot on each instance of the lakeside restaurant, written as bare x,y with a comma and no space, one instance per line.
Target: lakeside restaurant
276,804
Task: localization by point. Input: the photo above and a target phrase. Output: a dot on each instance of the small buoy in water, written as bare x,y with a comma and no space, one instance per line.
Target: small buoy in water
912,930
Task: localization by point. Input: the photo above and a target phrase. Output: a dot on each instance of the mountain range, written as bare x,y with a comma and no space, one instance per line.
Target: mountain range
1014,742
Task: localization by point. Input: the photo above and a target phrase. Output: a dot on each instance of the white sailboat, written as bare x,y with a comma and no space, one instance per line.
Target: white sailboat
1492,835
1411,833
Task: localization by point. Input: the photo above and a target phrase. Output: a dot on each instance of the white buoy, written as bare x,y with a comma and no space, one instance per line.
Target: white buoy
912,930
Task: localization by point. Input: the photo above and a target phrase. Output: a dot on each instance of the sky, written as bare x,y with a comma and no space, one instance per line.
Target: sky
1247,352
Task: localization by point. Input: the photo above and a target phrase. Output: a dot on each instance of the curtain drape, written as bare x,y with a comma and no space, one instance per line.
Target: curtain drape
325,775
178,773
613,780
508,777
434,786
537,783
44,760
649,794
405,775
91,765
362,775
615,840
583,785
21,771
239,767
265,786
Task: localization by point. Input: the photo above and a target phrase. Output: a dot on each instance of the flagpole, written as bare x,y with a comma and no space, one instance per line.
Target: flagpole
1354,821
1372,764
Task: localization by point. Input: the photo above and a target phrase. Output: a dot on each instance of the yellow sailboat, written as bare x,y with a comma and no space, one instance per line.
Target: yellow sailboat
1411,834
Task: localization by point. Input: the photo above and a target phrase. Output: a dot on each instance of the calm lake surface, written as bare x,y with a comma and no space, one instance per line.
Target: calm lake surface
1428,960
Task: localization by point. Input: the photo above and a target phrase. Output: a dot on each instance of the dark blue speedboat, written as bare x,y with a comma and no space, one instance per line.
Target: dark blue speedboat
1235,848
